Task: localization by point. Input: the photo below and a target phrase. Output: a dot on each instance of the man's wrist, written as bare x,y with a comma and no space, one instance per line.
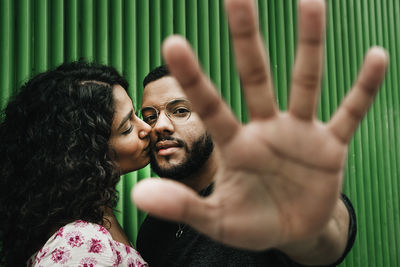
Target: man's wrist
325,247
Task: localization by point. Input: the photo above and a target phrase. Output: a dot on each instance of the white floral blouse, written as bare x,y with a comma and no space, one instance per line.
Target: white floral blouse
85,244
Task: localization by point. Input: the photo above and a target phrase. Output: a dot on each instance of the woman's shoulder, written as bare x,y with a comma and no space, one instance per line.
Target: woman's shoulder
83,243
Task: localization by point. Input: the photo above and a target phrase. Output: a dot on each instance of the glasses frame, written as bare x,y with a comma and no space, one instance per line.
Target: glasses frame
167,113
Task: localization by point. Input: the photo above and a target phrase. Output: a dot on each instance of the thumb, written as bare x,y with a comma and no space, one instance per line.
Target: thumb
174,201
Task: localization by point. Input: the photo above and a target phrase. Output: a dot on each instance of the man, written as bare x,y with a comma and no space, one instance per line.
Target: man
276,180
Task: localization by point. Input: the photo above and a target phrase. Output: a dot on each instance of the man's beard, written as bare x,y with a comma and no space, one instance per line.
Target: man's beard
196,158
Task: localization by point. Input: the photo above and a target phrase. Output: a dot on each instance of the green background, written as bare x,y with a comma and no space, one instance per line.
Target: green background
40,34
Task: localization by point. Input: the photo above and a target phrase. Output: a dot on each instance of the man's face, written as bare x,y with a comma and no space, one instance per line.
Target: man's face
179,142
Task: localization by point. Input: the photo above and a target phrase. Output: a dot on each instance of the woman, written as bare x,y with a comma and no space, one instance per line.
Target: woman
65,140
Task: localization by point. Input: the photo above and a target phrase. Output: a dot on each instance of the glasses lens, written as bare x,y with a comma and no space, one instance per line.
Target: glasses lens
179,110
176,110
150,115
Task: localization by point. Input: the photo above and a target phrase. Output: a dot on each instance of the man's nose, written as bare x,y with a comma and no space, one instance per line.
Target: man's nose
163,124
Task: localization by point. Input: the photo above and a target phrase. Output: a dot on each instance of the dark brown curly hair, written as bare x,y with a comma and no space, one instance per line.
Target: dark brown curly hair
55,162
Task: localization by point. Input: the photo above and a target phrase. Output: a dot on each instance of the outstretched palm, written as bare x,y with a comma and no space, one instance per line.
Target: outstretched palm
280,175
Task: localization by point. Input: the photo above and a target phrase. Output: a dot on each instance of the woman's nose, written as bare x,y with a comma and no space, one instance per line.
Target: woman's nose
145,130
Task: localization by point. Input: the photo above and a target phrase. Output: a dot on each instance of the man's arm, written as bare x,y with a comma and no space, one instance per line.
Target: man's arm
280,175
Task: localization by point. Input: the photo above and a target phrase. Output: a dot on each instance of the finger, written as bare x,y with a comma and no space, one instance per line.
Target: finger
251,58
357,102
307,71
171,200
216,115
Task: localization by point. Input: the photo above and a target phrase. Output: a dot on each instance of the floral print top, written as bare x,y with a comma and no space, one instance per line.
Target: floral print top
85,244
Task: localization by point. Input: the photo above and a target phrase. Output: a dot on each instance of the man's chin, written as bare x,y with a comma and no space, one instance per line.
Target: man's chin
165,171
164,166
169,160
167,167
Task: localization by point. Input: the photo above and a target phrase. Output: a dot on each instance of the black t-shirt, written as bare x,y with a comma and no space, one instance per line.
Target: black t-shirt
159,246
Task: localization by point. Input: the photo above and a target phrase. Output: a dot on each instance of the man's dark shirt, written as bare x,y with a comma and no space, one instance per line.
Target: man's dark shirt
159,246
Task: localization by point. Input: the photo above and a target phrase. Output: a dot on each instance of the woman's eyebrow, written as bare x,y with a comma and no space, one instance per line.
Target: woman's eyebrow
126,118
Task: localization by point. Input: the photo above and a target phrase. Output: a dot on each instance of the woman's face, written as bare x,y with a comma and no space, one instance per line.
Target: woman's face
129,134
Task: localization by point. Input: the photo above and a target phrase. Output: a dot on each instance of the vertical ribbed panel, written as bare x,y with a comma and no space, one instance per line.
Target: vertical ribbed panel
23,31
7,66
57,33
102,37
127,34
71,33
41,25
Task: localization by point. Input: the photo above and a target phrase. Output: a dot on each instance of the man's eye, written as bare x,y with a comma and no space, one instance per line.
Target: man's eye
181,112
150,118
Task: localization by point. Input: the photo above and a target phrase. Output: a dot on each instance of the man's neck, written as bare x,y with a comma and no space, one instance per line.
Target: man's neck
205,176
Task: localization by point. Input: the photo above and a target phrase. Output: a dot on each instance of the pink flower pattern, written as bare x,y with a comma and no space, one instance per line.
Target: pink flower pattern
75,239
88,262
140,263
80,223
131,262
60,255
95,246
59,233
102,229
127,249
135,263
41,254
85,244
118,259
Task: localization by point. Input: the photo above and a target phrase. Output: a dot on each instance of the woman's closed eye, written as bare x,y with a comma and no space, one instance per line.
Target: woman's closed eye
128,131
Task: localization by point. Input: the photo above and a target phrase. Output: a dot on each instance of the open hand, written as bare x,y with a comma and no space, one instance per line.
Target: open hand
281,174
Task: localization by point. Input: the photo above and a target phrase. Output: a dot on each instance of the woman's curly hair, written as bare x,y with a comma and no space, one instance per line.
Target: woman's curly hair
55,161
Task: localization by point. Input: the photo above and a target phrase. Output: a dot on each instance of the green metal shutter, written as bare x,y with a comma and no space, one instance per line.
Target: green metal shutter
127,34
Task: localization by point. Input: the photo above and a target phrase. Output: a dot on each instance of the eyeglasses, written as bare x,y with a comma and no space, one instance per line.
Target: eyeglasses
177,110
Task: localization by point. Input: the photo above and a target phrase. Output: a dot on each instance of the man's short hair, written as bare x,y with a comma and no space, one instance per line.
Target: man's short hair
156,74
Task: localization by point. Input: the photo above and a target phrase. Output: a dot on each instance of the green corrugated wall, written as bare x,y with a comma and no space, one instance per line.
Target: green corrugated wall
40,34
